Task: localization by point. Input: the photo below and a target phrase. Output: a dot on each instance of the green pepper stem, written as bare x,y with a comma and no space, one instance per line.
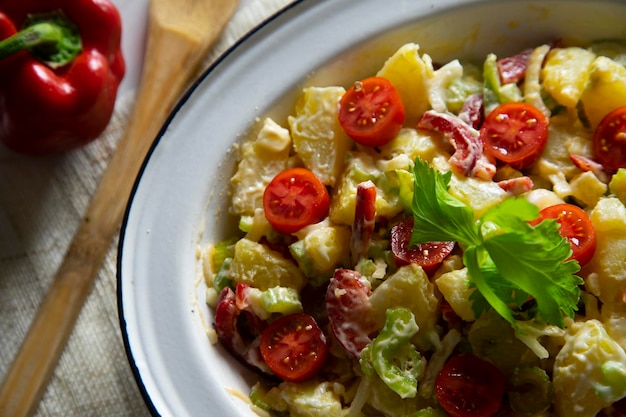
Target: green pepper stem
50,37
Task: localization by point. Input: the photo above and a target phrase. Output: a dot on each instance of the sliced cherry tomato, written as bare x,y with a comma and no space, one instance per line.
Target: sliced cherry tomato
371,112
609,140
468,386
294,347
349,310
427,255
295,198
515,133
576,227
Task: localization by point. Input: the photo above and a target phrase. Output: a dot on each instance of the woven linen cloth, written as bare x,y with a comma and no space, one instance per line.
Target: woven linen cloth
42,200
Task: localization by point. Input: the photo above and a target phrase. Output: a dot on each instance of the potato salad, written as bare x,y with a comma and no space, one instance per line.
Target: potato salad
436,239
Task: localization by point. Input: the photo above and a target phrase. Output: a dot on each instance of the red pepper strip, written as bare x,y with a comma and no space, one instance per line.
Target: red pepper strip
513,69
45,110
586,164
363,226
468,158
516,186
473,110
349,310
227,315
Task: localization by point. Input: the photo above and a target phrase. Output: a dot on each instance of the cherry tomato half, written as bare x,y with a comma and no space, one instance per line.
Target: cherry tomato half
427,255
576,227
294,347
295,198
468,386
609,140
371,112
515,133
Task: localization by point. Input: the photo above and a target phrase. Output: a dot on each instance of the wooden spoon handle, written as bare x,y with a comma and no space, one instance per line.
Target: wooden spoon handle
171,54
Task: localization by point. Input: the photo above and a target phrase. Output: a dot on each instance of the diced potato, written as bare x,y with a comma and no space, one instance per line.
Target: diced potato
614,320
318,138
605,91
321,249
591,352
617,186
555,158
587,189
409,287
454,287
479,194
258,266
605,274
415,143
560,186
565,74
609,216
543,198
361,167
409,73
261,160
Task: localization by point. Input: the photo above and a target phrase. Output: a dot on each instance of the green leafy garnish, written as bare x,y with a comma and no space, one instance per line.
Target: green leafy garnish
509,261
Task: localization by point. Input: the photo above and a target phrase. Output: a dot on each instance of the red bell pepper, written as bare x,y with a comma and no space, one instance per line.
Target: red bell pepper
46,104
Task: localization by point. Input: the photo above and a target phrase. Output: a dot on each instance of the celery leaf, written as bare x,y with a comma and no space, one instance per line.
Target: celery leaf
509,261
440,216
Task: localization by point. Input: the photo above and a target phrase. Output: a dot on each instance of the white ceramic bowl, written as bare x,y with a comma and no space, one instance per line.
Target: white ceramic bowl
180,197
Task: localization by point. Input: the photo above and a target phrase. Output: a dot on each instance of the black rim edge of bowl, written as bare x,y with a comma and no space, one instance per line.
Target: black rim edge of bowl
120,309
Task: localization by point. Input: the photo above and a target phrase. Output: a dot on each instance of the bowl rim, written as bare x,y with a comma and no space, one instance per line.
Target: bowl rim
216,65
123,230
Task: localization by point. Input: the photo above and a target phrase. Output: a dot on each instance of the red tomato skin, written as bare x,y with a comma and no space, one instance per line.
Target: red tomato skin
294,347
576,227
468,386
428,255
371,112
295,198
515,133
609,140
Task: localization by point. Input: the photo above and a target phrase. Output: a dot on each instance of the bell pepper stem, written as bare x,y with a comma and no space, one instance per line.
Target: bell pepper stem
50,37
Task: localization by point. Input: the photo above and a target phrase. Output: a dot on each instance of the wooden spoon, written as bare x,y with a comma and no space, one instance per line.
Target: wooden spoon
180,33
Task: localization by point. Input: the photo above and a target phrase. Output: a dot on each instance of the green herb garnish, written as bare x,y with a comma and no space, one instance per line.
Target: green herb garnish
509,261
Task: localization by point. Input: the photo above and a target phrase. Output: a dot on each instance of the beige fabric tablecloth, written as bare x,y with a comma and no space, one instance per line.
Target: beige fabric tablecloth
41,203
